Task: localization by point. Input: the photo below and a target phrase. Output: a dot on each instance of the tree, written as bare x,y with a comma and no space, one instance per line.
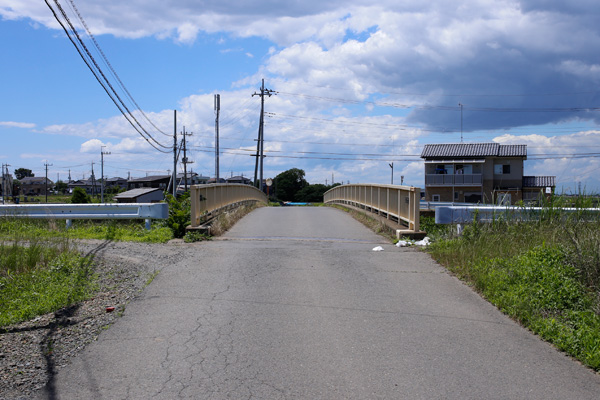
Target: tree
289,183
312,193
61,187
21,173
80,196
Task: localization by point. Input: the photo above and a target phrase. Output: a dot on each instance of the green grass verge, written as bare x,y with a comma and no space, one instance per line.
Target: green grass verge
41,277
132,231
544,274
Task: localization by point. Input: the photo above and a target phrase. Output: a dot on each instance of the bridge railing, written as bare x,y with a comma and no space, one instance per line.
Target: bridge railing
399,204
210,200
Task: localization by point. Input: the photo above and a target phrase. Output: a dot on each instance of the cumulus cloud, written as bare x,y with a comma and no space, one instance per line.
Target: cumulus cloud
492,56
572,158
352,74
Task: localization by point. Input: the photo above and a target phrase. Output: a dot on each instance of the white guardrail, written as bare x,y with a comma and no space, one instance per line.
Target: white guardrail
399,204
69,212
466,214
210,200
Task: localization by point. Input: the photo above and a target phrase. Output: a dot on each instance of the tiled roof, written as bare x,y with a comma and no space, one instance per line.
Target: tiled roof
150,178
473,150
130,194
539,181
35,180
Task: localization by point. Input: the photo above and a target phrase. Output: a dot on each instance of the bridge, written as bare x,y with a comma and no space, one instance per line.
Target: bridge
396,206
293,303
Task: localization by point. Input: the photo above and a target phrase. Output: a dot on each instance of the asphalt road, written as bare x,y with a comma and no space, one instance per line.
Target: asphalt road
293,304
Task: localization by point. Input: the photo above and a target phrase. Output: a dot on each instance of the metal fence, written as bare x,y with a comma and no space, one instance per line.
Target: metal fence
146,211
466,214
399,204
209,200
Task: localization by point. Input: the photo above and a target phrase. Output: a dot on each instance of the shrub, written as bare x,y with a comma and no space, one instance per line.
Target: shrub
179,214
80,196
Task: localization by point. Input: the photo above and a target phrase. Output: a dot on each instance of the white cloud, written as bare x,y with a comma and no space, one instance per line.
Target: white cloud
24,125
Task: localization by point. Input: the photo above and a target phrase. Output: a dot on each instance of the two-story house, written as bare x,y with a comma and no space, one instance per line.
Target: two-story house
480,173
34,185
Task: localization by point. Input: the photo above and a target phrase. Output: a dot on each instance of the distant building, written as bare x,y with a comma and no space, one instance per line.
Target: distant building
142,195
536,188
239,179
192,179
90,185
34,185
480,173
155,181
121,183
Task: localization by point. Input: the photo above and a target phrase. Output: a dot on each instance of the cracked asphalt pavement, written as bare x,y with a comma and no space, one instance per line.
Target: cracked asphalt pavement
292,303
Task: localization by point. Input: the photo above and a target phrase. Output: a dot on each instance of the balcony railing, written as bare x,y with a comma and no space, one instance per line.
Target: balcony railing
453,179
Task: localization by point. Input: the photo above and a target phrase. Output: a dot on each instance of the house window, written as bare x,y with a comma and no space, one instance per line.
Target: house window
455,195
435,197
501,169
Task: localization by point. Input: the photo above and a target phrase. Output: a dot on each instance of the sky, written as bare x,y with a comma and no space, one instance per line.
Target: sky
356,86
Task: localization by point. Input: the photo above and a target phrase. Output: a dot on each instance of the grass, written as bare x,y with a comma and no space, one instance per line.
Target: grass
41,272
41,276
544,274
132,231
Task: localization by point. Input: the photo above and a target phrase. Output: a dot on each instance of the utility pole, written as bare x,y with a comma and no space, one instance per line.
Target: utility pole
461,122
185,159
102,153
217,112
392,167
260,145
4,180
93,181
174,153
46,180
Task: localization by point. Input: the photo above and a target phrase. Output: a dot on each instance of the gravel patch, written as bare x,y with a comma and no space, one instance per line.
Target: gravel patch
32,352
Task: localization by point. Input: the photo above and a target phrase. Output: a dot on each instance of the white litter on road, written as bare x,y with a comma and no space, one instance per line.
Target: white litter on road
378,248
405,243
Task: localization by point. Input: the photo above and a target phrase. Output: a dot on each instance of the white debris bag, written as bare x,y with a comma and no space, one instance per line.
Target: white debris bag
378,248
405,243
423,242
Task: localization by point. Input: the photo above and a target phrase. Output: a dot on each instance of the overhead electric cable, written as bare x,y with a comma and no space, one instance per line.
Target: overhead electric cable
126,115
442,107
121,84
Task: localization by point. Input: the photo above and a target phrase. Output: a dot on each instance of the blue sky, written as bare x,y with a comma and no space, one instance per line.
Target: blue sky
358,85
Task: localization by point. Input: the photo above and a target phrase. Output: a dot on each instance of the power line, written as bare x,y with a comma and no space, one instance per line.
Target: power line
442,107
121,84
118,102
554,94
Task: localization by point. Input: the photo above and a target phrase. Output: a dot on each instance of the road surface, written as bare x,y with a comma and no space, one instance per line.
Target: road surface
293,303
